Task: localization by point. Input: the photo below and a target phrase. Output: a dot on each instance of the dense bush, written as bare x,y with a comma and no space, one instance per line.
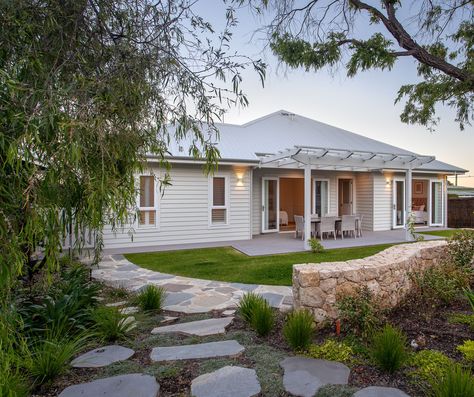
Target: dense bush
110,324
315,245
299,329
333,351
457,382
429,365
467,350
359,313
388,349
247,305
461,249
151,298
263,318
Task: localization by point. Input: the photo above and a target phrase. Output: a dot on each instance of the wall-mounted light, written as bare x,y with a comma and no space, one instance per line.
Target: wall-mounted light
388,181
240,179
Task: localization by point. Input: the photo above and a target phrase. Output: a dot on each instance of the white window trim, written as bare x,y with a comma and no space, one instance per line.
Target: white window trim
430,200
314,193
211,199
156,201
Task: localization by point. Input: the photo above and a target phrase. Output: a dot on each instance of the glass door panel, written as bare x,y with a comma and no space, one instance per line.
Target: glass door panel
436,203
398,203
321,194
269,205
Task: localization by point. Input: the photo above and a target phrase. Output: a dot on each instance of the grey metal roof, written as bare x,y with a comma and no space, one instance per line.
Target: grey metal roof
283,130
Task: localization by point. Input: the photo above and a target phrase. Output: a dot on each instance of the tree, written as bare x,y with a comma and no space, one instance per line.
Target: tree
87,89
439,35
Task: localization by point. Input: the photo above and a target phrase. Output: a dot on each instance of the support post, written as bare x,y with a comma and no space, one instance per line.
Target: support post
408,198
307,205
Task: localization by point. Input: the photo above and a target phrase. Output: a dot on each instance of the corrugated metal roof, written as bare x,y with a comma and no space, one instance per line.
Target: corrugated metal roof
283,130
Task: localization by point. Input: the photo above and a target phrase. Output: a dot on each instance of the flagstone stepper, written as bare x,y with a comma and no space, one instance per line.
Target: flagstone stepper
102,356
210,326
201,350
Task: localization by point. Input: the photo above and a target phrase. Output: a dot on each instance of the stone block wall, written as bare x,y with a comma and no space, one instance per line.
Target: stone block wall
317,286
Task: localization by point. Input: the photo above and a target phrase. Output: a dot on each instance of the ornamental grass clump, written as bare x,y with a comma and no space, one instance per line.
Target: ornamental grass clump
110,324
151,298
263,318
299,329
247,305
389,349
457,382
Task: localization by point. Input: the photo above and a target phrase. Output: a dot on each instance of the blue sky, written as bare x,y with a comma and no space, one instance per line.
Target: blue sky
363,104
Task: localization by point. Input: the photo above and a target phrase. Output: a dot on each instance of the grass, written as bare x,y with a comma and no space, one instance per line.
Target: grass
441,233
228,264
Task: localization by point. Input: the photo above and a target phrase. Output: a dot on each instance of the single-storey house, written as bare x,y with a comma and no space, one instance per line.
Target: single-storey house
279,166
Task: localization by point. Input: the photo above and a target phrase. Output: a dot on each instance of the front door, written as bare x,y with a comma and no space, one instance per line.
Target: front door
345,197
270,205
398,194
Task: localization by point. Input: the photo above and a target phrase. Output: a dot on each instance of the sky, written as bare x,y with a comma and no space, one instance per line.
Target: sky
363,104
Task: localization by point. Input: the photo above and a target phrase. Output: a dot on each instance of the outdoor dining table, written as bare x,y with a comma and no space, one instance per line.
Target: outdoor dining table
317,219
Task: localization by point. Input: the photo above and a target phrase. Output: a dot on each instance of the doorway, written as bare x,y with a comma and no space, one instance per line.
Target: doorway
345,196
398,194
270,205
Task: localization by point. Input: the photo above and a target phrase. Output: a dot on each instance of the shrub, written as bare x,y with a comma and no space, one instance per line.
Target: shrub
457,382
247,304
469,294
316,246
467,350
359,312
461,249
333,351
429,365
151,298
110,324
50,356
298,329
439,284
389,349
263,318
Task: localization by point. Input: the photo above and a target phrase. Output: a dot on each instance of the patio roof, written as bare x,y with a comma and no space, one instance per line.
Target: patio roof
343,159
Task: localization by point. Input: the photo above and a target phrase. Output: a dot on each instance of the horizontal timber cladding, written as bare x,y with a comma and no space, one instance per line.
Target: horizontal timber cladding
183,210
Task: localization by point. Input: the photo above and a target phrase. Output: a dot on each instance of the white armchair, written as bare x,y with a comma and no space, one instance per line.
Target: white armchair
283,218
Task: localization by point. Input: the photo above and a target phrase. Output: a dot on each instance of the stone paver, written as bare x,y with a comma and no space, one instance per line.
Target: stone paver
116,304
305,376
210,326
228,312
129,310
184,294
102,356
136,385
378,391
168,320
201,350
228,381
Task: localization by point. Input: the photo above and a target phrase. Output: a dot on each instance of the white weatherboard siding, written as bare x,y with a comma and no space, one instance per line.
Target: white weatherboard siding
382,203
365,199
183,211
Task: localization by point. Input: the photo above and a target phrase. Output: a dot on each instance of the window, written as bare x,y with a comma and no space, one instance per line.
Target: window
219,200
321,197
147,209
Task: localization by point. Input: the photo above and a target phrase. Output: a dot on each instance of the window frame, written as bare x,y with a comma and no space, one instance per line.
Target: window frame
155,206
327,180
211,205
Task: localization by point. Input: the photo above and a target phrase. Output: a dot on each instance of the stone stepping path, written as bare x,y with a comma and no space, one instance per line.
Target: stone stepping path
116,304
129,310
210,326
102,356
185,294
378,391
201,350
305,376
228,381
136,385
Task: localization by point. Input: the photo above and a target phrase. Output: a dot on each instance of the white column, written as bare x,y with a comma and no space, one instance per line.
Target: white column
408,198
307,205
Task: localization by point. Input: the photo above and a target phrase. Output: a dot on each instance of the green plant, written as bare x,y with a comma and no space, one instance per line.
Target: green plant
50,356
263,318
461,249
247,304
332,350
461,318
151,298
411,228
457,382
110,324
467,350
299,329
359,313
469,294
429,365
388,349
316,246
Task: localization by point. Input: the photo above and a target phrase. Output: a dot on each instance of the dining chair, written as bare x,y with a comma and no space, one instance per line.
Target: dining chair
360,217
326,225
299,223
347,224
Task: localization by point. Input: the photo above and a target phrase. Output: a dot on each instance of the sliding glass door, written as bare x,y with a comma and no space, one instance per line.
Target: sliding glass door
398,203
321,197
270,205
436,203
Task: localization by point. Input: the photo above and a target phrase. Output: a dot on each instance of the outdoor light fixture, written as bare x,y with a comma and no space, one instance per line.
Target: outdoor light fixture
240,179
388,181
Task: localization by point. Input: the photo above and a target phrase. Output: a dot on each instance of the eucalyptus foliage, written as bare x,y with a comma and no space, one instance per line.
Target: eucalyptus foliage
438,34
87,89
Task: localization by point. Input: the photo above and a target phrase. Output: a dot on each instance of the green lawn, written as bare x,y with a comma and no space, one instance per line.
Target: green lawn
442,233
227,264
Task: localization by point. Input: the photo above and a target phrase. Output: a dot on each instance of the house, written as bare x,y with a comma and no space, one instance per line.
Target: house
279,166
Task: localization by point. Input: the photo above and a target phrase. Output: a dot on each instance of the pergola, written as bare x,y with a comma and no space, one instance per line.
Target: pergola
320,158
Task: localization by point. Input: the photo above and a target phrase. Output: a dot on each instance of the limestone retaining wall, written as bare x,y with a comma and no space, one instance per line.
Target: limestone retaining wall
317,286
